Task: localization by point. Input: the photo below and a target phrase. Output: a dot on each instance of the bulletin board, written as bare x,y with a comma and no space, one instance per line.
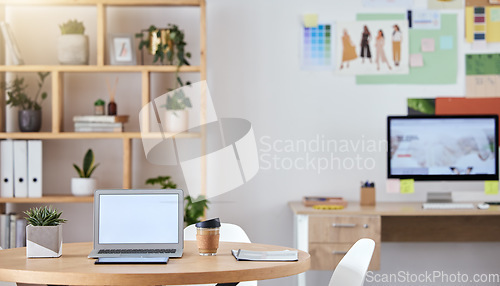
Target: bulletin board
439,67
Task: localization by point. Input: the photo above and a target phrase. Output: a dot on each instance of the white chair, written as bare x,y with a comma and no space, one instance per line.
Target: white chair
229,233
351,270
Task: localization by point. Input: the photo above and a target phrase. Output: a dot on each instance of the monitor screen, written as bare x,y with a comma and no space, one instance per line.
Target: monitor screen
443,147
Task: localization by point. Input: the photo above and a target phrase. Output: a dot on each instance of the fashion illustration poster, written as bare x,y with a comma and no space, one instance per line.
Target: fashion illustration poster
372,47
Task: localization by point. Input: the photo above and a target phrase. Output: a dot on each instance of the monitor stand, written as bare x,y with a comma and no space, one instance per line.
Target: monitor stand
439,197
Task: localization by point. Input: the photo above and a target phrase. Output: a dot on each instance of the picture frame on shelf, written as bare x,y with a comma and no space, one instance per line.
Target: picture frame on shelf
121,49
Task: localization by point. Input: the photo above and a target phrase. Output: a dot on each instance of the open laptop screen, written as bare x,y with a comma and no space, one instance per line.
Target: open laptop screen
138,218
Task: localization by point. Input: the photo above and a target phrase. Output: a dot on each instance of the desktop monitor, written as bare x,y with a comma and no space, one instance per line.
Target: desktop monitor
429,148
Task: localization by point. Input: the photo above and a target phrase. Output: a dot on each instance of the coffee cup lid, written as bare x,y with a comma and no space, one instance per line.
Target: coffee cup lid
211,223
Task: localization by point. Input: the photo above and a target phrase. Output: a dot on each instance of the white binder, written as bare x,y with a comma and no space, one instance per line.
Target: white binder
7,165
34,168
20,169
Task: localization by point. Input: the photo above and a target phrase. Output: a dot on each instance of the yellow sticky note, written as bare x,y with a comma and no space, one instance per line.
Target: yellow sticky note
491,187
407,186
310,20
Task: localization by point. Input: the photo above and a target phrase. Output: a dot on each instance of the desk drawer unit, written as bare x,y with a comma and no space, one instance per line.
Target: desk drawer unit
331,236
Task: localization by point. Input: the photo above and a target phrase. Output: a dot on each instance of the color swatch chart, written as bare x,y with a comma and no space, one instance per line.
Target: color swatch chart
479,24
317,46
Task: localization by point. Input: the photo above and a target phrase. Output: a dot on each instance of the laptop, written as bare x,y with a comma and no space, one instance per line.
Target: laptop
138,223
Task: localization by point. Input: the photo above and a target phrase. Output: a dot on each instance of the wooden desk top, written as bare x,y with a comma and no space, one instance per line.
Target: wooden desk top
74,268
392,209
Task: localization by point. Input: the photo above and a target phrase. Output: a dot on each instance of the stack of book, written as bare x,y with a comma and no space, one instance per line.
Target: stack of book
99,123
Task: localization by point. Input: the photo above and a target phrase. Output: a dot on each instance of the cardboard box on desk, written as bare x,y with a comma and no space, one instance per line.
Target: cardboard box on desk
367,196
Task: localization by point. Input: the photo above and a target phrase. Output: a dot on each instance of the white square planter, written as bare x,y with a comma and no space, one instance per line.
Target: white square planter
43,241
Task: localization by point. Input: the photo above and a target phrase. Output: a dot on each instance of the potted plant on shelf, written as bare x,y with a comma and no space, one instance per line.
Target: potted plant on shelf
84,185
30,113
168,46
177,116
43,232
73,45
194,209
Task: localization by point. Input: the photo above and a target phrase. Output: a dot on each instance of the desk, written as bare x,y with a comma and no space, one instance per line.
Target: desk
327,234
74,268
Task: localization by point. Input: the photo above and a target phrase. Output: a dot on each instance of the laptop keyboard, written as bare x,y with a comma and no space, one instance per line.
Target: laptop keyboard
134,251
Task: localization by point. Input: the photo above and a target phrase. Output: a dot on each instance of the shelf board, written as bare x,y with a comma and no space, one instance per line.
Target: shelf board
91,135
95,68
49,199
105,2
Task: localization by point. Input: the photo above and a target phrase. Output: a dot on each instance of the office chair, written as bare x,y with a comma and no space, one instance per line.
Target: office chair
228,232
351,270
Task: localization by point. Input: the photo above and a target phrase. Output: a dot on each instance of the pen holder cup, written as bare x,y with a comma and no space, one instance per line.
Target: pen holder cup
367,196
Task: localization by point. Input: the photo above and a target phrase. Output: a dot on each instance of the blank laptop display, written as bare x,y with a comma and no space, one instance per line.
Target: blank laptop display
140,223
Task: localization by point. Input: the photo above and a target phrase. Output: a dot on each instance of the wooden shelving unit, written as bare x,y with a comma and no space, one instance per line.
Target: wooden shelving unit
48,199
90,135
57,72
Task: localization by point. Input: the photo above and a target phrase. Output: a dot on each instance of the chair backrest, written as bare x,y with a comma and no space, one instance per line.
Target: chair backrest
228,232
351,270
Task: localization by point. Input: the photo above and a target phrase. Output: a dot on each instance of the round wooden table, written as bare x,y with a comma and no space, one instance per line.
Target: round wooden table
74,268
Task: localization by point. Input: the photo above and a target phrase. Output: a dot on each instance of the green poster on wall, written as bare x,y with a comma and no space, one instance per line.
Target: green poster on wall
439,66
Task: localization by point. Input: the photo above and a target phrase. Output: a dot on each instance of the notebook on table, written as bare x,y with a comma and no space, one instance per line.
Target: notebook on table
138,223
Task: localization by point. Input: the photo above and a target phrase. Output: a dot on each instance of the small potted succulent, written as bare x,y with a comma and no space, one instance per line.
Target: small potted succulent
194,209
73,45
30,109
99,107
43,232
84,185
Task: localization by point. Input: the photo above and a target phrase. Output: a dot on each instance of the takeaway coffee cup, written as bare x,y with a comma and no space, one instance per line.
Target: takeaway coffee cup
207,236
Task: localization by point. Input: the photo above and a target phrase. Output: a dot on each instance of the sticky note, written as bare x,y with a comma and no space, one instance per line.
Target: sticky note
416,60
392,186
494,14
491,187
310,20
427,45
407,186
446,42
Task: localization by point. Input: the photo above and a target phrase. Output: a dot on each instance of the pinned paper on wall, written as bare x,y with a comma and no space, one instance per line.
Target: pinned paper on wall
482,75
392,186
491,187
441,5
482,23
372,47
310,20
388,3
407,186
440,67
425,20
317,47
416,60
446,42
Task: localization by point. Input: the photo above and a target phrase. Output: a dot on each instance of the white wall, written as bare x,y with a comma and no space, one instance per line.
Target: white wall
253,73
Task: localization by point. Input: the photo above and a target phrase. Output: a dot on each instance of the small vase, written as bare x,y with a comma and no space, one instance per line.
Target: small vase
73,49
30,120
44,241
176,121
83,186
